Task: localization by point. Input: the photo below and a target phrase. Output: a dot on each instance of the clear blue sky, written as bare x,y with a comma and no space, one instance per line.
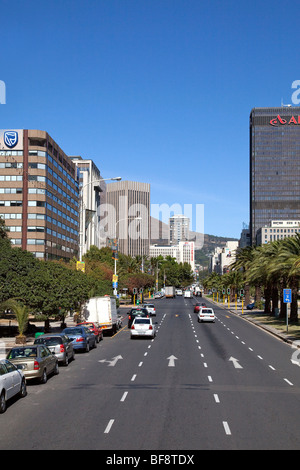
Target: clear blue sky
157,91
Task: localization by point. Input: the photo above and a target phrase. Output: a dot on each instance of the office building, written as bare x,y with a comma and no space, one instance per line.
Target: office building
179,228
223,257
274,166
277,230
39,194
93,193
183,252
128,204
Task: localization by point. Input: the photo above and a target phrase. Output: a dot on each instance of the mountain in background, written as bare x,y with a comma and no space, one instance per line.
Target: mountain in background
203,246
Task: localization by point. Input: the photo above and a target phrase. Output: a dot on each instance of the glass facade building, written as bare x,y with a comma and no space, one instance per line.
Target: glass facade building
274,166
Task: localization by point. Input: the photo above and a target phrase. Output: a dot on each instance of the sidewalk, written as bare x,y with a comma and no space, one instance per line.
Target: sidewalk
6,343
251,316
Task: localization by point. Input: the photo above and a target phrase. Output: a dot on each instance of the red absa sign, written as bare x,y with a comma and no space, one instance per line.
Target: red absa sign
279,121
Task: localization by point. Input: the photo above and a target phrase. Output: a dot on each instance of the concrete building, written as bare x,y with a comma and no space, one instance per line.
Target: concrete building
277,230
128,205
39,194
222,258
93,193
179,228
183,252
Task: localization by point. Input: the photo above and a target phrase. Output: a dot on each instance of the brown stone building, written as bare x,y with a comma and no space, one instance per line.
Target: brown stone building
39,194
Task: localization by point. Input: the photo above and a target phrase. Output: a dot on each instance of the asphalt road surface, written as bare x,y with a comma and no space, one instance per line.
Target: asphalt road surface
223,385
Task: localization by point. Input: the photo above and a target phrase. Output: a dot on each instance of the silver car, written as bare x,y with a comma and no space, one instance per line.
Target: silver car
37,361
59,344
12,382
151,309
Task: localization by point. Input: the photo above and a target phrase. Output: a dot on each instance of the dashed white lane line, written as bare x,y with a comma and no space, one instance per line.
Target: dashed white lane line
217,400
227,428
124,396
133,378
108,427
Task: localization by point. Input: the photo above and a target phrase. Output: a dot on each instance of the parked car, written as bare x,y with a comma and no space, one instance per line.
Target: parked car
151,309
134,312
12,382
119,322
37,360
142,327
206,314
95,328
59,344
82,337
250,306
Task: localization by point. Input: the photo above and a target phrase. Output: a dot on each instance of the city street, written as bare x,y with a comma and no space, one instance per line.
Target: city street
196,386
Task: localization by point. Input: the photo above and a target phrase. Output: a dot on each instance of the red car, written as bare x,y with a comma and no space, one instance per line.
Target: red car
197,307
95,328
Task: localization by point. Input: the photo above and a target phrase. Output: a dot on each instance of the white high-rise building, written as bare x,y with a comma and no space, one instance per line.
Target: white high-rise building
179,229
93,193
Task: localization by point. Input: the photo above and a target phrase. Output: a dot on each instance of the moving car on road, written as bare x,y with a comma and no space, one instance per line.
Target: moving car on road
135,312
142,327
197,306
12,382
37,360
59,344
206,314
151,309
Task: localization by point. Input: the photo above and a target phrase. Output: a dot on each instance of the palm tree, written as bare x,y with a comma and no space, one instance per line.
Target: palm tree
289,263
21,312
244,258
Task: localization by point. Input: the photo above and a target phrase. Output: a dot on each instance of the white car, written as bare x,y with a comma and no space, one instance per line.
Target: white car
150,309
179,292
12,382
206,314
142,327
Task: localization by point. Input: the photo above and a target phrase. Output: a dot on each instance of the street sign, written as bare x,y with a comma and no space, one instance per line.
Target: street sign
287,296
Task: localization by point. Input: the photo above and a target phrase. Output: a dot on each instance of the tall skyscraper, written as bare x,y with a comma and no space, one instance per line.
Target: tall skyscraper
128,204
274,166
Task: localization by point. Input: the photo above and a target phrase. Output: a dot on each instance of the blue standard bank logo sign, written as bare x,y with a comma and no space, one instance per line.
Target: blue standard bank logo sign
11,139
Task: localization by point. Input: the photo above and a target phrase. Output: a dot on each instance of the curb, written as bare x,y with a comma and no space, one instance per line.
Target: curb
290,340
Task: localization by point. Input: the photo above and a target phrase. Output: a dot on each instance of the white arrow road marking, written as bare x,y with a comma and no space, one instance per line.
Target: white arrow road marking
113,362
171,361
235,363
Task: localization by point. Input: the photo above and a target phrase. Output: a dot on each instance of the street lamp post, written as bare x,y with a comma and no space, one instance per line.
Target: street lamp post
81,233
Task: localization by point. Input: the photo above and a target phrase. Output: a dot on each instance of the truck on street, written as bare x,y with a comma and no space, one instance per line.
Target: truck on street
170,291
102,310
